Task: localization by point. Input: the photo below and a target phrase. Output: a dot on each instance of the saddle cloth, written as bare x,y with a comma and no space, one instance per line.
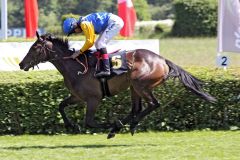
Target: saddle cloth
118,66
118,62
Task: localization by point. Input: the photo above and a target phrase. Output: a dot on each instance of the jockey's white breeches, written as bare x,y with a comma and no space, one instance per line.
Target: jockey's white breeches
115,24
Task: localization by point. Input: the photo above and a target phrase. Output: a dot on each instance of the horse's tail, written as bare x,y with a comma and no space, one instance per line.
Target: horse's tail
189,81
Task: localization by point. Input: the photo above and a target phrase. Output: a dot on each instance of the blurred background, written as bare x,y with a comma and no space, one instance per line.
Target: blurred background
51,11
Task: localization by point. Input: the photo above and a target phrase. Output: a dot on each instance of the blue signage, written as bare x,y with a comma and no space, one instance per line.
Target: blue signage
21,32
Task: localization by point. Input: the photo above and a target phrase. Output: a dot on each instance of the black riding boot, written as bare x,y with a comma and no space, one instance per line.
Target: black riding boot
99,62
105,65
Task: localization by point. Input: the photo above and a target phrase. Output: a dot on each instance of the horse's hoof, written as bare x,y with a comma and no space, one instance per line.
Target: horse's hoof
110,135
76,129
133,130
73,129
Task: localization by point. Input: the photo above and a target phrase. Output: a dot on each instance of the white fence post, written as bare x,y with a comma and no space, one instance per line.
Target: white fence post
4,26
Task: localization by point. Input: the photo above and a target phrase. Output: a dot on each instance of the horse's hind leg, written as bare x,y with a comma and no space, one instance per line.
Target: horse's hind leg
136,108
152,105
136,103
65,103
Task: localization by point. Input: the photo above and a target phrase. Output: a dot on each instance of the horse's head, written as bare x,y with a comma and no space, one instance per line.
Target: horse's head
39,52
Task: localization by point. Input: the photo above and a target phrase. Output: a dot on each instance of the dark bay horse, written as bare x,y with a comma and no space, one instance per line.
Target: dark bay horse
146,71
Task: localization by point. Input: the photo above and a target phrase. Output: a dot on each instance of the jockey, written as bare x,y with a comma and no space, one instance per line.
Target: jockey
106,25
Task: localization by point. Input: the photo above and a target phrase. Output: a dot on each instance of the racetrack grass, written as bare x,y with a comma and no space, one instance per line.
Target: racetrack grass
194,52
197,145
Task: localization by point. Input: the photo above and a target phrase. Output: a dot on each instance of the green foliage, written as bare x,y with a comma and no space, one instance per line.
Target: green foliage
146,30
158,3
141,7
29,104
103,6
15,14
48,20
50,11
56,30
70,16
160,28
195,18
163,11
152,30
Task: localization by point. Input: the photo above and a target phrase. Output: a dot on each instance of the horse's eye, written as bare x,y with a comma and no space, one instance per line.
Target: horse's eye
38,47
35,51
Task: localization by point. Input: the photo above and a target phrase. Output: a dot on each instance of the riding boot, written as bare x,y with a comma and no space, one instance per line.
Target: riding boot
99,62
105,66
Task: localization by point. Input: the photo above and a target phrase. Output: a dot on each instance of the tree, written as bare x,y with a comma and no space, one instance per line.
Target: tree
15,14
141,7
161,9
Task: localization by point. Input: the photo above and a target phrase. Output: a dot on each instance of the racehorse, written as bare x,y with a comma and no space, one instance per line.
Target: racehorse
146,70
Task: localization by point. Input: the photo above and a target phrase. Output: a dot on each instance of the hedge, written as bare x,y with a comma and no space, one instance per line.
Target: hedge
29,104
195,18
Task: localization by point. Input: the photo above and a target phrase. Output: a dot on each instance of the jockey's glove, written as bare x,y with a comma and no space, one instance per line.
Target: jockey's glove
76,54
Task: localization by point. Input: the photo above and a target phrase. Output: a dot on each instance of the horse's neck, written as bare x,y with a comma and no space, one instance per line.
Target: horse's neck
60,66
66,67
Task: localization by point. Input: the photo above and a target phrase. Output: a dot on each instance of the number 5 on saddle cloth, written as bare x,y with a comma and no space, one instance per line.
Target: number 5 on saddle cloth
118,62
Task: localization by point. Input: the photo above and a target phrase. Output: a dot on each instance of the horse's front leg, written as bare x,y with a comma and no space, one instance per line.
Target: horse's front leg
65,103
92,105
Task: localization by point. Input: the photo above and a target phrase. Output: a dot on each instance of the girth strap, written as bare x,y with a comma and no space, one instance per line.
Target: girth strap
104,87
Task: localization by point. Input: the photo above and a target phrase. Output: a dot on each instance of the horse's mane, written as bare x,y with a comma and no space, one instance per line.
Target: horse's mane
61,42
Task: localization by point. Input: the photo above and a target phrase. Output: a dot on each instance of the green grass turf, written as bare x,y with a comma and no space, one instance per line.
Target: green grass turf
197,145
194,52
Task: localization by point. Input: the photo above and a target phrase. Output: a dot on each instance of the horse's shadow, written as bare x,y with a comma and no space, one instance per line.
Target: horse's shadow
71,146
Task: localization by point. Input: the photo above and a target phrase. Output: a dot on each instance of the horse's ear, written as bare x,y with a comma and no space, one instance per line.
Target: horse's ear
37,35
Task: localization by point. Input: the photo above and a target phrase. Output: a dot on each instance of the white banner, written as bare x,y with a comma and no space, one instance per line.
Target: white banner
229,26
13,52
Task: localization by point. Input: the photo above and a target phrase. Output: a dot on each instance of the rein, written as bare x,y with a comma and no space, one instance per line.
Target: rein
85,66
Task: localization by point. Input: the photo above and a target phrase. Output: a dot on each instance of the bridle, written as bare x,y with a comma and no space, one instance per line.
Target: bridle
43,53
45,50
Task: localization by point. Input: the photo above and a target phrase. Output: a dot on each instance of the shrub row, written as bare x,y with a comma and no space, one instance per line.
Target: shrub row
152,30
29,104
195,18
